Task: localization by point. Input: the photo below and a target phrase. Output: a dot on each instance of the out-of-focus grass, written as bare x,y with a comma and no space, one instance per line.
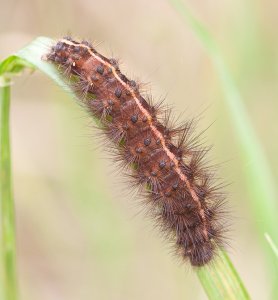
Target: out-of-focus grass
271,244
261,184
220,281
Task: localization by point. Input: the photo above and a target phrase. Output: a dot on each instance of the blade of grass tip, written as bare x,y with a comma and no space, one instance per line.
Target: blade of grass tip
260,181
34,52
221,281
8,246
31,57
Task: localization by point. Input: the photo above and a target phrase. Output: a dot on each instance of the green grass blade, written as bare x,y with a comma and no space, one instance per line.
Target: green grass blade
219,280
33,54
8,247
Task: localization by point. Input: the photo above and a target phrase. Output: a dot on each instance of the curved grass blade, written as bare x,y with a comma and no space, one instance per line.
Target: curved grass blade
220,280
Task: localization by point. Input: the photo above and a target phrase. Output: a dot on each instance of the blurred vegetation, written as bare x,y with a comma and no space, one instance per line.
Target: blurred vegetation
260,183
78,236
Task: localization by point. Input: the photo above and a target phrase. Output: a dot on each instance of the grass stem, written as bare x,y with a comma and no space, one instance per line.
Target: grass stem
8,248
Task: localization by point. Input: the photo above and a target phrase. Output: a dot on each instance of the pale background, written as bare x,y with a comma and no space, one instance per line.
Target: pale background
80,233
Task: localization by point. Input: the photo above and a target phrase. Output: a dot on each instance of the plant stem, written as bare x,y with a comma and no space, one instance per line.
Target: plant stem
8,248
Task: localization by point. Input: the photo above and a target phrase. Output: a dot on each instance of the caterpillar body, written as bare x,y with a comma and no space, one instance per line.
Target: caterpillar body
166,161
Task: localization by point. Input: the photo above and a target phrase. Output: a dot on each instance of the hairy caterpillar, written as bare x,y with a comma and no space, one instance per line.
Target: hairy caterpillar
166,161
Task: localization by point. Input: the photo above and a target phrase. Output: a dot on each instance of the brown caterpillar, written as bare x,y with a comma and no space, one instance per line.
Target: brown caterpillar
166,161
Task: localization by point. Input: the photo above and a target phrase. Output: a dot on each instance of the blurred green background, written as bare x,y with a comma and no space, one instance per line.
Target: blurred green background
81,234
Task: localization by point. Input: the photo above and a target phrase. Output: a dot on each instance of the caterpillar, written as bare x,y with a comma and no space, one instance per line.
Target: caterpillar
165,161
